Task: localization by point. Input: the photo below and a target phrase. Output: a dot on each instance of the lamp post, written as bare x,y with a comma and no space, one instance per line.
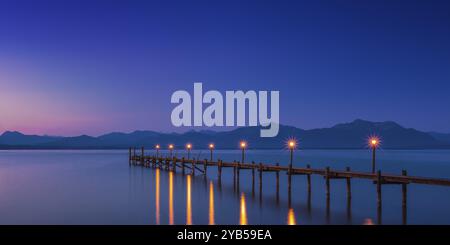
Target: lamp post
243,146
291,144
188,148
211,148
170,150
374,142
157,150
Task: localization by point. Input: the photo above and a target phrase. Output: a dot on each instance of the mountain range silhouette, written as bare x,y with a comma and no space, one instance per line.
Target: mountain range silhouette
352,135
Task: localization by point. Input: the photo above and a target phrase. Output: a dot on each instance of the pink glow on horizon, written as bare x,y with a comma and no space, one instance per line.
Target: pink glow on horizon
47,100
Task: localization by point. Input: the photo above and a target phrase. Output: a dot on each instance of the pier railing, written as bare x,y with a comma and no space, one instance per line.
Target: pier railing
170,162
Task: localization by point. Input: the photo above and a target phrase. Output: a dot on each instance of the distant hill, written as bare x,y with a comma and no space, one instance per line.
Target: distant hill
441,136
12,138
352,135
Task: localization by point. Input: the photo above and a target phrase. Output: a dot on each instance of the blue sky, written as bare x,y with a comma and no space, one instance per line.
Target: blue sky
90,67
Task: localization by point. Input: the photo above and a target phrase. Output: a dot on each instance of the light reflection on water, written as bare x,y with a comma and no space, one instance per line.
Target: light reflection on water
171,218
211,203
188,201
157,214
291,217
243,211
98,187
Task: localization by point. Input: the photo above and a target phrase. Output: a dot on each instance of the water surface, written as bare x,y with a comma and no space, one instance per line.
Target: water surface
99,187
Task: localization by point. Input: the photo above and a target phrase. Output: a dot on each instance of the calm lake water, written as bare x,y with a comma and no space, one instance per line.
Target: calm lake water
99,187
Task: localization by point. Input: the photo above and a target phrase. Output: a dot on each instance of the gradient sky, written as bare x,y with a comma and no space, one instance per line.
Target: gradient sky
90,67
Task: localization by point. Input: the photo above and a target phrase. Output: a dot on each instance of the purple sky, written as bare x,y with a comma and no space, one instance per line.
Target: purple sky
90,67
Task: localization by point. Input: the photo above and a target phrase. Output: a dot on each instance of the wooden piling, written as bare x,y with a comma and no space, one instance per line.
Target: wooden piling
182,165
349,210
349,187
379,187
205,167
404,199
234,175
193,166
260,178
289,184
238,168
129,156
327,210
174,164
308,178
219,169
277,175
308,203
379,179
253,178
327,181
142,155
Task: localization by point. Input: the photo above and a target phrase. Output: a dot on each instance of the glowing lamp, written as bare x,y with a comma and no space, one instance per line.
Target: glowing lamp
211,146
157,146
374,142
291,144
189,146
170,146
243,144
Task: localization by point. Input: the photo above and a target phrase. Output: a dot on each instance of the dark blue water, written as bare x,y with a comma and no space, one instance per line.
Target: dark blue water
99,187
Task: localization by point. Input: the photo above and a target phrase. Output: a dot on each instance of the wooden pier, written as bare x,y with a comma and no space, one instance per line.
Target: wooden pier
201,166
